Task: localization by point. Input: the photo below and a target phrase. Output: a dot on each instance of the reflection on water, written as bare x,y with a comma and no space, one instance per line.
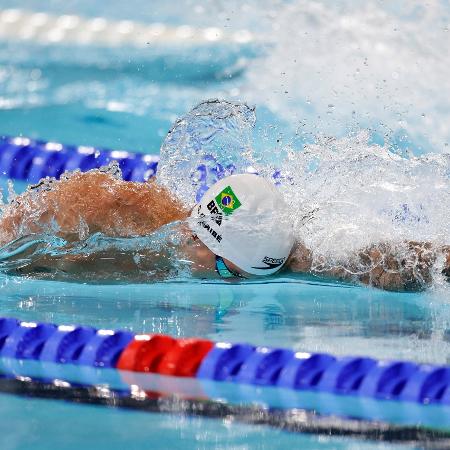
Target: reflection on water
301,315
90,427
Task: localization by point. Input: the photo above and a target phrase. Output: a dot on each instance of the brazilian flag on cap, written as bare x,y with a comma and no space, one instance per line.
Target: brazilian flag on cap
228,201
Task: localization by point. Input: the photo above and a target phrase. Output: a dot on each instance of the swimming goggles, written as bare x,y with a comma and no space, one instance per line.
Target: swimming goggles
224,271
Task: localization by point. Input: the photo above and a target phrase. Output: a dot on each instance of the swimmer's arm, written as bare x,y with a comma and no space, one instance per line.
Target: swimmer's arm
101,266
300,259
380,266
400,268
407,267
91,202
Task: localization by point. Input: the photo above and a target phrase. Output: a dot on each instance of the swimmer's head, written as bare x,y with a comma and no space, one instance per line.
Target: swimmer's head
244,219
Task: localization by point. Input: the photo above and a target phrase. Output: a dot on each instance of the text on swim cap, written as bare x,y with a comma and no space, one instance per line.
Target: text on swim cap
213,209
207,227
271,263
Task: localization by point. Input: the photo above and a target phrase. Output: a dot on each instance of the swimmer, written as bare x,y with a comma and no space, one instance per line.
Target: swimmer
240,229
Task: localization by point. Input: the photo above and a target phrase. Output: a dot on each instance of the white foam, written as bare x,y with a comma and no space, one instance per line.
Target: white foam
344,194
335,66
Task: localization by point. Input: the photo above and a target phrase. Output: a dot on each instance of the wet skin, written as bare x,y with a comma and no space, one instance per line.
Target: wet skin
96,202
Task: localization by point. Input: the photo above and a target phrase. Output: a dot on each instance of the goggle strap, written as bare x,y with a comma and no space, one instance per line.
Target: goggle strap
223,270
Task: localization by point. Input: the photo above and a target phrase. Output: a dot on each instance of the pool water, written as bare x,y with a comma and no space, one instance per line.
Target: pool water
303,315
130,103
71,426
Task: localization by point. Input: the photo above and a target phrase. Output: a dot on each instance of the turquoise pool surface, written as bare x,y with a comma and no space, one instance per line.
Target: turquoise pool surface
71,426
129,103
303,315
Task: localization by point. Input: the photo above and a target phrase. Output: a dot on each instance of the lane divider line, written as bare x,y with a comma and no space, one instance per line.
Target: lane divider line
48,29
30,160
238,363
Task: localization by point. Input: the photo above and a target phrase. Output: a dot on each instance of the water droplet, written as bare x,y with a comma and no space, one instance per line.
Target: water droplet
11,192
35,74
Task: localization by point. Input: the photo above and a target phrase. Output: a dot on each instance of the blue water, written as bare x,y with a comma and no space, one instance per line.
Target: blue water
74,426
304,316
300,315
130,103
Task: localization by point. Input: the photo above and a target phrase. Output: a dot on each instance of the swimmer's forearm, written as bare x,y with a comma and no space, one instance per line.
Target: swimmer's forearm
107,265
407,267
302,261
392,268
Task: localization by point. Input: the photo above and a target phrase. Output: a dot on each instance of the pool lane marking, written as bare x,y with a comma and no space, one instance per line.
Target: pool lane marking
295,421
44,28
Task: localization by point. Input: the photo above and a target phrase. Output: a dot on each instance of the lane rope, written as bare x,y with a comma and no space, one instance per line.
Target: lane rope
30,160
237,363
44,28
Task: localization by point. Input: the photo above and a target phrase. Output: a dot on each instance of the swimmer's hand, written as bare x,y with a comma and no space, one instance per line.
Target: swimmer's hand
81,204
405,267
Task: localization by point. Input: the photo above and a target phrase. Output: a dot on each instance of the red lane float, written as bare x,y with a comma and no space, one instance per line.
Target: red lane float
164,355
185,357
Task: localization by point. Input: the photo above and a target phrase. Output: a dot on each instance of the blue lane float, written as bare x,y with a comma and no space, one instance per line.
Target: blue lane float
30,160
239,364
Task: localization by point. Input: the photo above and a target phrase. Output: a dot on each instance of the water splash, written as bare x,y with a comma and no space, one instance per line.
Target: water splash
339,66
344,194
11,192
100,258
26,249
355,194
352,182
202,146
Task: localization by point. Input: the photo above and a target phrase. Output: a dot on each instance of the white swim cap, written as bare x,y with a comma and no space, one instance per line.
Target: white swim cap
244,219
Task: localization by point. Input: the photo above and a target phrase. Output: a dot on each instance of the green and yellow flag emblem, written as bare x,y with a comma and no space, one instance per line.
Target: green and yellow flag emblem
228,201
